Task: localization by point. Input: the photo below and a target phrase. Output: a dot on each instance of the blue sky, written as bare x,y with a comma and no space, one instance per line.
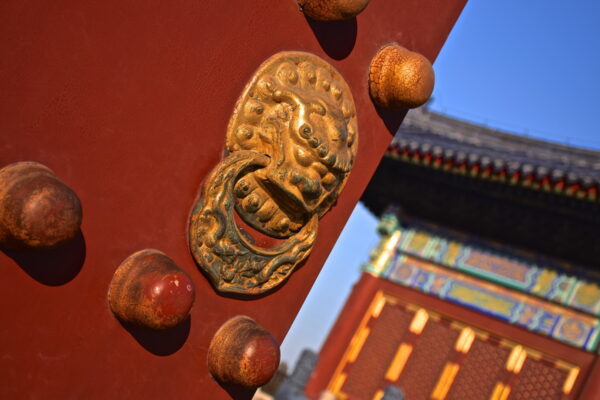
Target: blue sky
528,67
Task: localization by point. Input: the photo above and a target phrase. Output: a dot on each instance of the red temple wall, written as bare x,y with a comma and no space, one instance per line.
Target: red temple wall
368,339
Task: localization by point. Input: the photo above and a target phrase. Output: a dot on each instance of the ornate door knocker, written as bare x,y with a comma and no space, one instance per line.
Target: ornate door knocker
291,143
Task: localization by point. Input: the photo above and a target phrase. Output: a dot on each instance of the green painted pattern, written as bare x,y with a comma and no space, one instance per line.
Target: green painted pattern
505,269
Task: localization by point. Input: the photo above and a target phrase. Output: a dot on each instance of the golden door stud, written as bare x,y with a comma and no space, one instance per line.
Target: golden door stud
149,290
332,10
37,210
400,78
243,353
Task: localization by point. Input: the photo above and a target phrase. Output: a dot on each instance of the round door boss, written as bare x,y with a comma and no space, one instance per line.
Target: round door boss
400,78
332,10
243,353
37,210
149,290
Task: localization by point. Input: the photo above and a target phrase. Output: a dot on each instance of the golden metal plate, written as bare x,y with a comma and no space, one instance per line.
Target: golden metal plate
290,145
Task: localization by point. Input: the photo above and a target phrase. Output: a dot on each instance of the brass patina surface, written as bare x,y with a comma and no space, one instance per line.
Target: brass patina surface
400,78
290,146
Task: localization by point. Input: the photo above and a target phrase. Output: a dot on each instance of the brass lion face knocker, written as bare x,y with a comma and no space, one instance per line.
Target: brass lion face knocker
291,143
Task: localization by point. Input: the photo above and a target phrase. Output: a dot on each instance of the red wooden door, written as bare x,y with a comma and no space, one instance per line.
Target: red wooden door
128,103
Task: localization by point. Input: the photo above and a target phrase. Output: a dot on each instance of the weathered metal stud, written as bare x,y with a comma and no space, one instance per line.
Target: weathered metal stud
148,289
399,78
37,210
243,353
332,10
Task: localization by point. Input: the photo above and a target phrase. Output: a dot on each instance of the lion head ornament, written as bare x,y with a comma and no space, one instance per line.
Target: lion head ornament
291,143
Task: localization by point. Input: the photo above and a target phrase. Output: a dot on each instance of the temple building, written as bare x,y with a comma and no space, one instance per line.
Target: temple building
485,284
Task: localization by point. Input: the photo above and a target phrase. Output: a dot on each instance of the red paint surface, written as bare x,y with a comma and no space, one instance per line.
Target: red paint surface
591,391
128,103
341,334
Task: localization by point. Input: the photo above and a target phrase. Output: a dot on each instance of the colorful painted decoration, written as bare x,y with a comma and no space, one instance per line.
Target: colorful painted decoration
519,309
505,269
510,288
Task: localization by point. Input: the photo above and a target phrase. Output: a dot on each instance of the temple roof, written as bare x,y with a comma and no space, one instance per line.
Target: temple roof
439,141
529,194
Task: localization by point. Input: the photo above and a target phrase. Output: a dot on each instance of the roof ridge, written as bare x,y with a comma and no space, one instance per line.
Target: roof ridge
439,123
429,132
